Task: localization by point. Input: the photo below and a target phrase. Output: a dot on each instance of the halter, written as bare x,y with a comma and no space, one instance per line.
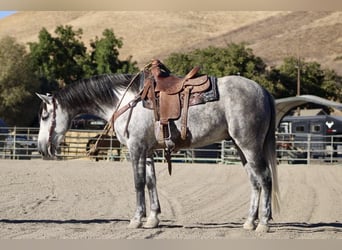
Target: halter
53,125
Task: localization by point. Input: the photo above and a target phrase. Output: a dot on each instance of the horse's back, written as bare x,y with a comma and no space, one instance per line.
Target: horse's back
240,90
242,110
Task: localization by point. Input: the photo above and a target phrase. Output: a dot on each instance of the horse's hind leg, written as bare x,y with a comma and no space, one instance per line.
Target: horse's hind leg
152,220
266,212
255,193
254,202
261,184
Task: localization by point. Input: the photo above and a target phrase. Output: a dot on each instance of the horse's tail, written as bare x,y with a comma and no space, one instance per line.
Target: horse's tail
270,155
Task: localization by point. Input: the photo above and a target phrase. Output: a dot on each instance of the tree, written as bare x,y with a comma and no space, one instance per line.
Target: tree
59,58
234,59
281,81
332,85
104,57
65,59
18,105
313,79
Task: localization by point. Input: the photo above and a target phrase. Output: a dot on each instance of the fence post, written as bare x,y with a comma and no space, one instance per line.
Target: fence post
308,150
14,142
110,156
332,149
222,151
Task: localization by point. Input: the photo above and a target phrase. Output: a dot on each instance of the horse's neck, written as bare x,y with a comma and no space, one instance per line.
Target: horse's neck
107,108
105,112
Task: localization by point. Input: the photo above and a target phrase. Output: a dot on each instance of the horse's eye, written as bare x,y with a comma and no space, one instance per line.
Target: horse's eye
45,116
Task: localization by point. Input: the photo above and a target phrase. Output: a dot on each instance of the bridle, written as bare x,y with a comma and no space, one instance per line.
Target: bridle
52,127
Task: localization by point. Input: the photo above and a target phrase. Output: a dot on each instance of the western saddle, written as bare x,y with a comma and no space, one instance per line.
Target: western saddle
169,97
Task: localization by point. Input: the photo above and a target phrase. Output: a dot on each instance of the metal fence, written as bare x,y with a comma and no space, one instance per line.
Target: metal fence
21,143
309,148
18,143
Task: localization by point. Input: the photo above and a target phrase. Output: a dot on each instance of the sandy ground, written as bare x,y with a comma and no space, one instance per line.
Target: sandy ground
81,199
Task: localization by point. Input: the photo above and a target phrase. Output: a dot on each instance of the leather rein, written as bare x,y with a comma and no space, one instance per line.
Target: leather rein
119,111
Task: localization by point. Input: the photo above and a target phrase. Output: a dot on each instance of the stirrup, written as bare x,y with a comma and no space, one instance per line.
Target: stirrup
162,132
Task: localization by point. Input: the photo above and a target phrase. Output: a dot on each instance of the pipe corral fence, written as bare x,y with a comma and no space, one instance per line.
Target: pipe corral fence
21,143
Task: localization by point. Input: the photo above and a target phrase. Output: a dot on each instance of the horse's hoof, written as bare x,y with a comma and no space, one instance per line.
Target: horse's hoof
262,228
248,225
151,222
134,224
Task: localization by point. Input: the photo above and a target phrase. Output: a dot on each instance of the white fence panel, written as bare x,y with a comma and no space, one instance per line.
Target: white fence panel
21,143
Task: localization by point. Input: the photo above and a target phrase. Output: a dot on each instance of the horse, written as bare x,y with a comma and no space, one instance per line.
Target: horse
244,114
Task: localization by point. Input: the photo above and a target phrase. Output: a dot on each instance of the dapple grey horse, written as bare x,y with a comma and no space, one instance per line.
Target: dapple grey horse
244,113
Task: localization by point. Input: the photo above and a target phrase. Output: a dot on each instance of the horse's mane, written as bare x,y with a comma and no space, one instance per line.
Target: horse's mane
94,91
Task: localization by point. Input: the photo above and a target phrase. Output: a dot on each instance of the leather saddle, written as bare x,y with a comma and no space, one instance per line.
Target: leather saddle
171,84
170,96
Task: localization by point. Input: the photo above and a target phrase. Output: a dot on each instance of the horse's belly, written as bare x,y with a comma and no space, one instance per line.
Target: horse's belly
206,125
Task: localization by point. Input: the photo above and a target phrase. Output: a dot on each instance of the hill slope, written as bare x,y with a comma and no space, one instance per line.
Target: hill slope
272,35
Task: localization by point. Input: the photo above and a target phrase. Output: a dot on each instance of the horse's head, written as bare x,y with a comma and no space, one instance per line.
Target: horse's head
54,123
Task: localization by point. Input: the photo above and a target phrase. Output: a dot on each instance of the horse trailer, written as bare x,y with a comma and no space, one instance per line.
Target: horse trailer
320,136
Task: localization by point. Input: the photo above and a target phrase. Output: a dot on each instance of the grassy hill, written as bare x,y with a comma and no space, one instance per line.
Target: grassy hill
155,34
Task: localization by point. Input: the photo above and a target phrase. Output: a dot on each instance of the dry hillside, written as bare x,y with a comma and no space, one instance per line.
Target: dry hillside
272,35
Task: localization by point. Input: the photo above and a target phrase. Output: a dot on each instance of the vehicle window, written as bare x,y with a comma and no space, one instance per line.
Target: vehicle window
315,128
300,128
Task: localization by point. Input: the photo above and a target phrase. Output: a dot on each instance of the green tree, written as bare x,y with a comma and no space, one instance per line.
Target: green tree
18,105
104,57
281,81
313,79
332,85
59,58
65,59
234,59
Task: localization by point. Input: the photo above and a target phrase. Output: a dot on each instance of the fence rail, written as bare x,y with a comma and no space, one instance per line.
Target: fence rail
21,143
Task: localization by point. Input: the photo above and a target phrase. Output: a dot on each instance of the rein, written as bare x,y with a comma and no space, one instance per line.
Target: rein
119,111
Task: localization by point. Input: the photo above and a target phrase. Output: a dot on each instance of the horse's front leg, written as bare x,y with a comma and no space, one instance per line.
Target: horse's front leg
139,172
151,182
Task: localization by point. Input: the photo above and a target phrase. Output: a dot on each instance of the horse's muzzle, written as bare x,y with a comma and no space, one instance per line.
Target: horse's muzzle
47,151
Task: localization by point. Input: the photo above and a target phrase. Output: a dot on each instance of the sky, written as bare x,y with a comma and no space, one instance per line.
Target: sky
6,13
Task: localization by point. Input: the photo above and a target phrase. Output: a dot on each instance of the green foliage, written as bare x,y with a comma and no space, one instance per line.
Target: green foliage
237,59
313,79
105,52
65,59
18,105
234,59
104,57
53,62
58,58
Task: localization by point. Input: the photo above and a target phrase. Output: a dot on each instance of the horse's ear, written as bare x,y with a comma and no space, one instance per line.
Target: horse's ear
45,98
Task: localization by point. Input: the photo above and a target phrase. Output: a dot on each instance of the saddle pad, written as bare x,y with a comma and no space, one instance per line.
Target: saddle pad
209,95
